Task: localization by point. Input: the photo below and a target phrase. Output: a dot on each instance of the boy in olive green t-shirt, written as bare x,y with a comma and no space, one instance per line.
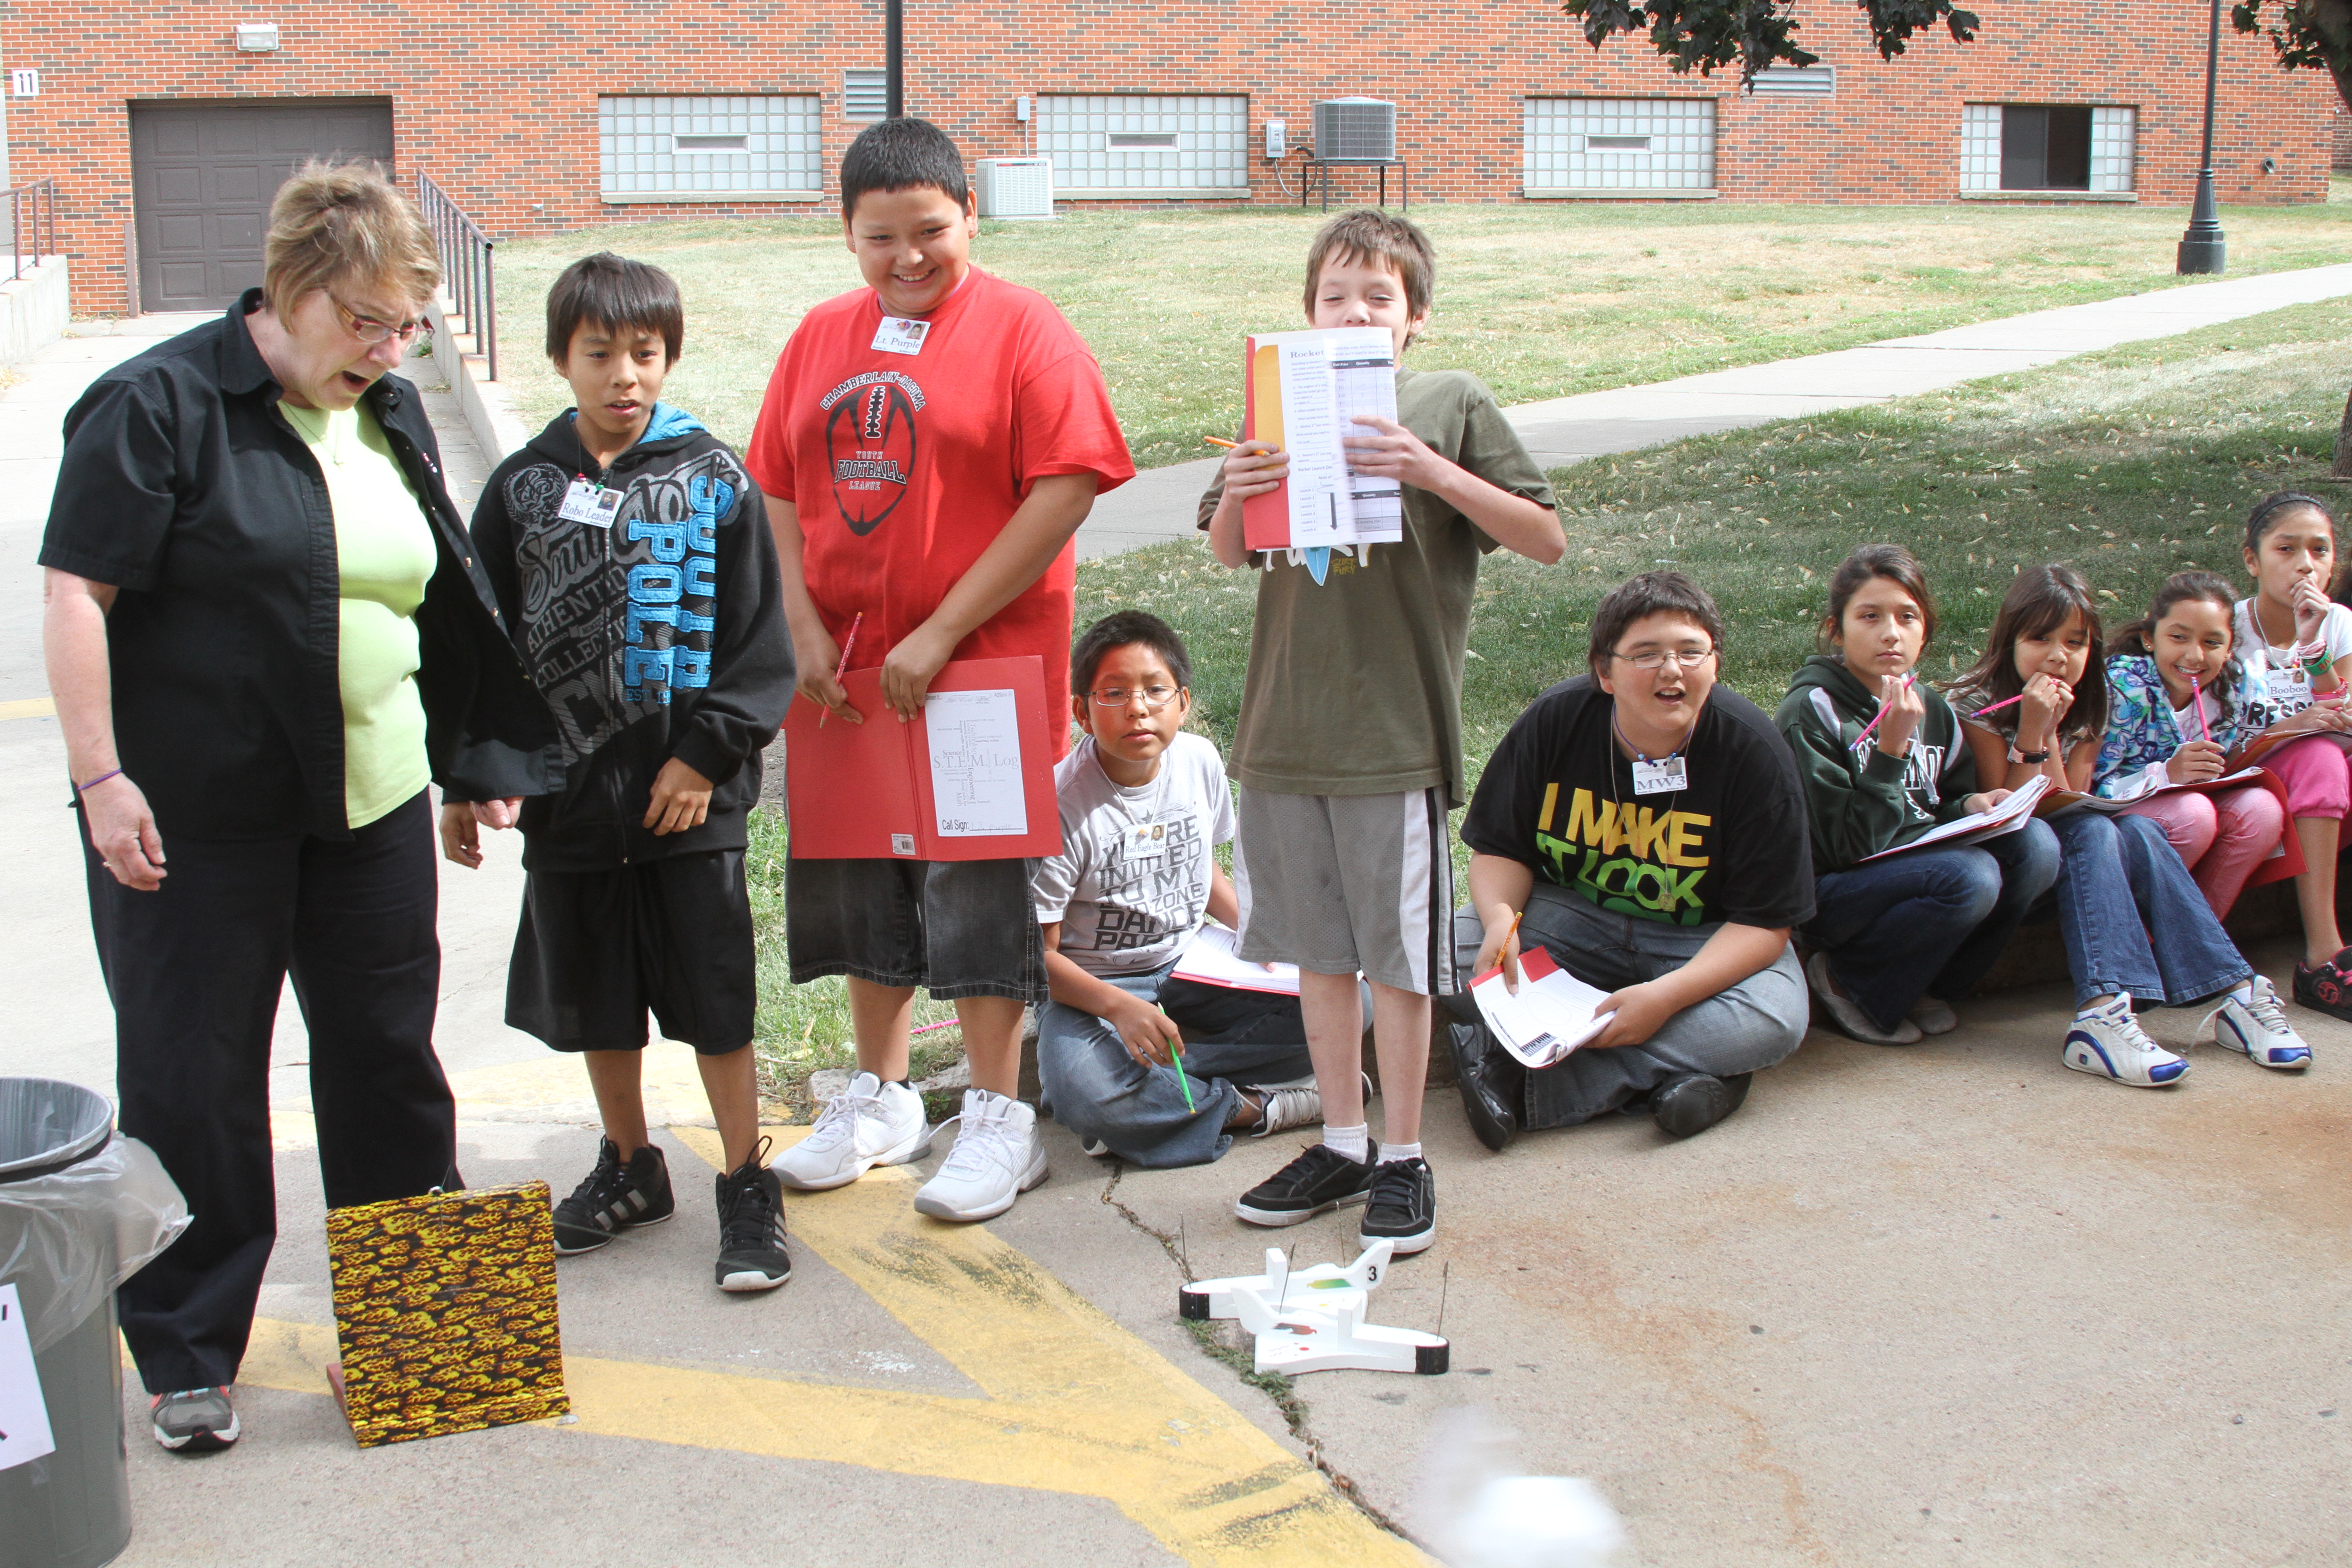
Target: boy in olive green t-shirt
1348,751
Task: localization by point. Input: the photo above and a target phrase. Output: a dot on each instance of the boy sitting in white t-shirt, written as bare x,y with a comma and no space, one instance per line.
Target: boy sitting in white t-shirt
1143,805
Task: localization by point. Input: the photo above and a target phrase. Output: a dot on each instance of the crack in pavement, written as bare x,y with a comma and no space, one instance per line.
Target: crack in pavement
1280,1390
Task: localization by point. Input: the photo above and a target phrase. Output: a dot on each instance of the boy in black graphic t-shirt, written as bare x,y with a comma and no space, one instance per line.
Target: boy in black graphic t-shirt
1653,831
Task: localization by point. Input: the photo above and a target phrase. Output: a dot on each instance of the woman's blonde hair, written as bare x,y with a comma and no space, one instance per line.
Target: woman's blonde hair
338,223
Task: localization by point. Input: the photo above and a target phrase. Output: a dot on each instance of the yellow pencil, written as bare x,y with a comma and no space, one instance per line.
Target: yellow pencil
1220,441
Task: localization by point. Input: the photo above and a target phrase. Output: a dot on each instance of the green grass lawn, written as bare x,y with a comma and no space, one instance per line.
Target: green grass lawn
2128,464
1540,300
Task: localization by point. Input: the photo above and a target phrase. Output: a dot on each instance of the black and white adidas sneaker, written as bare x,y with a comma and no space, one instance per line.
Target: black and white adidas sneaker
614,1198
752,1255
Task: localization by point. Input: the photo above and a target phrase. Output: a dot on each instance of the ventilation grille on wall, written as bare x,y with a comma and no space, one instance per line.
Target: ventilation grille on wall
1796,81
1355,130
865,93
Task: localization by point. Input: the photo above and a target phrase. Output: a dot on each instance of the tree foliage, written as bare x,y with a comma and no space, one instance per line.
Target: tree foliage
2309,35
1708,35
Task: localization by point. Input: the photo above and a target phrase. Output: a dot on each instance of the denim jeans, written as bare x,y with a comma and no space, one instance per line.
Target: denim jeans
1930,922
2132,917
1750,1025
1233,1039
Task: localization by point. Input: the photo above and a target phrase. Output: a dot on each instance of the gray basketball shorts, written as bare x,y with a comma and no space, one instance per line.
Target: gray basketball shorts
1341,884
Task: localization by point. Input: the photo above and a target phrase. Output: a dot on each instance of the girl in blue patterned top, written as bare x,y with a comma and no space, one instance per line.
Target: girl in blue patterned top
2179,701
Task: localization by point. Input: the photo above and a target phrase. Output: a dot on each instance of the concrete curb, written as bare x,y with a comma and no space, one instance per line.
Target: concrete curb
483,402
33,308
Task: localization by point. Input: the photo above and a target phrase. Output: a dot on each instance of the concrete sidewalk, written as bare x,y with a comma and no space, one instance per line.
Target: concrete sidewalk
1159,504
1950,1305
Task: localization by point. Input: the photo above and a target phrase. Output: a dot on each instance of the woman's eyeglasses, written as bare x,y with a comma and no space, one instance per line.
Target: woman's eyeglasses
369,329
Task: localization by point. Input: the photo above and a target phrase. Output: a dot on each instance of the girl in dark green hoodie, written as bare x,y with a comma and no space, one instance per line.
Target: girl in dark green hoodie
1882,761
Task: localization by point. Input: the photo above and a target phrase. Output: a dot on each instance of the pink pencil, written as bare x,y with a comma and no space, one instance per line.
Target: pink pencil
1999,706
2197,696
846,644
1866,729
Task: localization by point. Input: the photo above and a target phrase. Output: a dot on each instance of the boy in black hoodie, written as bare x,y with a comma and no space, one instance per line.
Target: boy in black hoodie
636,576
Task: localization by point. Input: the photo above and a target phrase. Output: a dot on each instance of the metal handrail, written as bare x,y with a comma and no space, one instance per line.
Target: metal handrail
40,194
465,268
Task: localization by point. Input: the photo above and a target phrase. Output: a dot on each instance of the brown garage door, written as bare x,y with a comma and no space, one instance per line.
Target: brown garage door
202,174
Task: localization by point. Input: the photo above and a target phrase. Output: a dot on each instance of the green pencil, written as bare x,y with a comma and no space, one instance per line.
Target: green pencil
1183,1082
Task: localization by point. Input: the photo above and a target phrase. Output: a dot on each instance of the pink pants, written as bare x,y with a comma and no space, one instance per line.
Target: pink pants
2318,779
2221,837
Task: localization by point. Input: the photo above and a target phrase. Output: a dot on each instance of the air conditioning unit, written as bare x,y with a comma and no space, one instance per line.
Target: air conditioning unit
1016,188
1355,130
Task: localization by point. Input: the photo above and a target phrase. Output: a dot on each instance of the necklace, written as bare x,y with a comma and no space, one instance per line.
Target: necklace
323,430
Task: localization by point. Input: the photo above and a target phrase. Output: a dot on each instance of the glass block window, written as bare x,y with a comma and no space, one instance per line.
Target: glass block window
1145,145
1619,144
2113,148
865,93
2048,147
1980,147
708,149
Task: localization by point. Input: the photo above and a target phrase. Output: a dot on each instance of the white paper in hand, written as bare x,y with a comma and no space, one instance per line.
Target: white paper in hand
1211,961
1550,1016
975,742
24,1414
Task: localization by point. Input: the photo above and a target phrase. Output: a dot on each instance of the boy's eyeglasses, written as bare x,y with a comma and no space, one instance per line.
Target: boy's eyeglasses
1688,657
368,329
1155,698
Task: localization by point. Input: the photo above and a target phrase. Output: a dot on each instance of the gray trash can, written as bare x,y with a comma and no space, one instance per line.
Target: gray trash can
80,1211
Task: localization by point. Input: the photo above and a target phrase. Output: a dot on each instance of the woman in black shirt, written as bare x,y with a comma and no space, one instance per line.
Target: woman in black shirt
1648,831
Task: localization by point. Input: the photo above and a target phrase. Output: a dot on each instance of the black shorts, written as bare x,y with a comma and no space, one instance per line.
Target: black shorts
957,928
597,950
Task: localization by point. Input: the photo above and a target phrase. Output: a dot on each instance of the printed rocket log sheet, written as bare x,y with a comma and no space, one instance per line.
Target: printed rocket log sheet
1549,1015
1628,856
970,778
1303,392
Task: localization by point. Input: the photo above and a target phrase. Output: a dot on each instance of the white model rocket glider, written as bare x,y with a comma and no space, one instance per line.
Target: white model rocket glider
1312,1320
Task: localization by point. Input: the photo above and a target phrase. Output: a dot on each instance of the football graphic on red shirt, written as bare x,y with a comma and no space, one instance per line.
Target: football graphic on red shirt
870,439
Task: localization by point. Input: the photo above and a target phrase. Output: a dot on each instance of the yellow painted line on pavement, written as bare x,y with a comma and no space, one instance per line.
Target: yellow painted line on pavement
1077,1404
30,708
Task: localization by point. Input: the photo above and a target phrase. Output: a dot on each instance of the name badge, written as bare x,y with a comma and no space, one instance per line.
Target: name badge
2288,689
1662,777
1146,841
900,335
595,505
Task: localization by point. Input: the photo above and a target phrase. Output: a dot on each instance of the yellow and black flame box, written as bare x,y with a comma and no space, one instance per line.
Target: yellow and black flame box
444,1313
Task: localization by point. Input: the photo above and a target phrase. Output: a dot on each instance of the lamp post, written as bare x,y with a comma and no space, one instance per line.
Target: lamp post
2203,249
894,66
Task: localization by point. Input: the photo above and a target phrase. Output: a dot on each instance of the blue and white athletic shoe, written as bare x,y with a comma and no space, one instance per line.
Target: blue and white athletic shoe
2257,1028
2107,1041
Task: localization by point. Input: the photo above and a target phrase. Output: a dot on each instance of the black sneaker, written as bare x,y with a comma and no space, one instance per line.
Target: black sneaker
1694,1102
1401,1207
614,1198
1490,1080
2328,988
193,1420
1317,1182
752,1255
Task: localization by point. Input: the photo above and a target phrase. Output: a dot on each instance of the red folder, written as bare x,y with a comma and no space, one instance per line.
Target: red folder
1265,519
862,792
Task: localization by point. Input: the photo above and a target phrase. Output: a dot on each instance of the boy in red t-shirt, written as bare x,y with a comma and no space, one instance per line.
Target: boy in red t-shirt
928,446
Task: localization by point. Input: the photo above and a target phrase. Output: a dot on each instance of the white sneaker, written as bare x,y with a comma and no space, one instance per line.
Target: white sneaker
2259,1028
1851,1019
997,1157
2107,1041
1934,1015
871,1123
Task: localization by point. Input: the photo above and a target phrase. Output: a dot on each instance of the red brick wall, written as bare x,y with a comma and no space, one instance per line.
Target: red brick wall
500,106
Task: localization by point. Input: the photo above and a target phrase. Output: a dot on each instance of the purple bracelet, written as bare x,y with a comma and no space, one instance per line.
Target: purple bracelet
93,784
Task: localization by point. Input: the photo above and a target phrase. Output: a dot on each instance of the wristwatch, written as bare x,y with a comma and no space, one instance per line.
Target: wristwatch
2035,758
